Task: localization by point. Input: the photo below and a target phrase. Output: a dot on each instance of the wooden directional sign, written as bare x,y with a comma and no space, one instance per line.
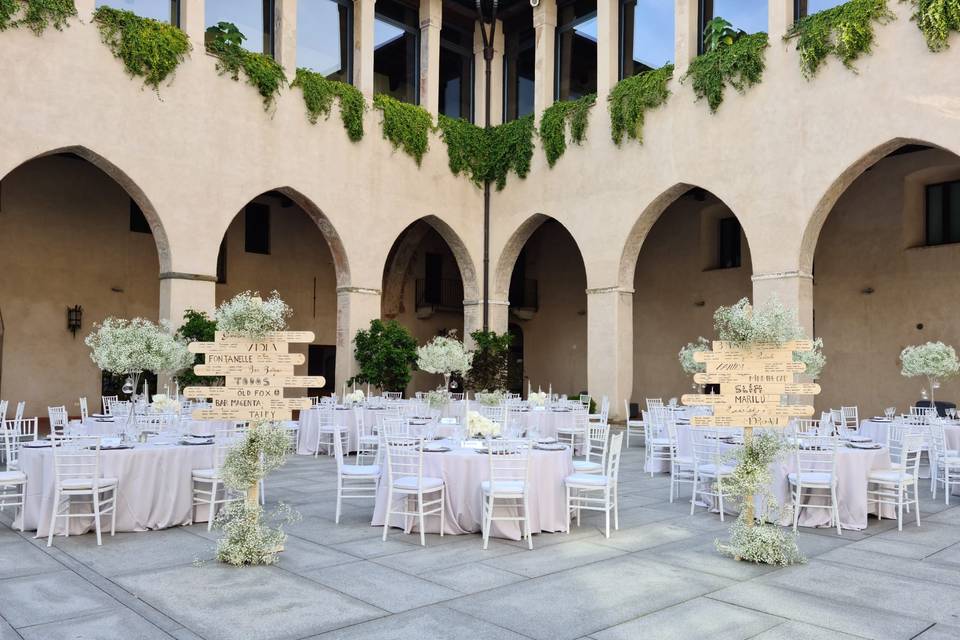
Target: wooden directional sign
792,388
243,369
235,346
770,409
270,336
241,414
746,378
792,345
275,381
255,358
261,404
739,421
723,398
755,355
755,367
228,392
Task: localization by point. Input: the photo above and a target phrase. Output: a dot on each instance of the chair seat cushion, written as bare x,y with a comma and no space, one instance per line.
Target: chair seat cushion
585,480
205,474
409,483
571,430
12,477
582,466
503,487
890,476
812,478
711,470
360,470
74,484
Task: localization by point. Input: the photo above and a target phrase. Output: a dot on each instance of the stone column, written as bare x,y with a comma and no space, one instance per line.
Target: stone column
363,13
356,307
496,78
779,17
610,346
687,37
285,36
431,19
182,291
545,27
193,20
608,47
794,289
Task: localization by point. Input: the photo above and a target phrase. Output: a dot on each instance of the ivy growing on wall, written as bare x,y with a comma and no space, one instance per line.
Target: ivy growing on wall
318,94
632,97
936,19
37,14
845,31
224,41
553,124
148,48
488,154
405,125
739,64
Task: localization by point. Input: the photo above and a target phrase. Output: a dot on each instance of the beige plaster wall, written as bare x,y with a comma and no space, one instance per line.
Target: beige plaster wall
65,240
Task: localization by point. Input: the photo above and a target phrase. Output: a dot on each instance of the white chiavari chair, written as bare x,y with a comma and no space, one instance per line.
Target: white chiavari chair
208,483
293,432
106,402
604,411
803,427
815,477
580,486
632,424
84,410
595,450
354,481
709,467
79,481
585,400
681,467
851,418
894,486
944,464
404,458
327,430
394,427
13,482
493,413
58,419
368,442
654,402
575,434
509,483
656,441
393,395
3,410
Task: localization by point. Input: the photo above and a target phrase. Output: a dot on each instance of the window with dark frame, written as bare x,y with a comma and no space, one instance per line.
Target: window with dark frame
943,213
138,221
749,15
804,8
519,59
646,36
728,249
575,74
396,50
254,19
433,278
222,262
162,10
325,38
456,73
257,228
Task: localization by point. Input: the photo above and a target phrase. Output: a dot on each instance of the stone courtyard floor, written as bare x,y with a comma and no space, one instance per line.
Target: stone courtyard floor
657,577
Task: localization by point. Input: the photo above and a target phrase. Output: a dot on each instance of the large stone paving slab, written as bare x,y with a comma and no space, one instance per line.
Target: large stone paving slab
126,552
581,601
381,586
114,625
29,600
554,558
19,557
429,623
222,603
701,618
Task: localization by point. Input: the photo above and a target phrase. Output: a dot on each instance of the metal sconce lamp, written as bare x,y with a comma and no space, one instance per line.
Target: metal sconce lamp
74,319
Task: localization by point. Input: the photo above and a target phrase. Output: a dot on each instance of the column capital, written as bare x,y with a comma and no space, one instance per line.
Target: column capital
361,290
177,275
613,289
474,303
781,275
545,14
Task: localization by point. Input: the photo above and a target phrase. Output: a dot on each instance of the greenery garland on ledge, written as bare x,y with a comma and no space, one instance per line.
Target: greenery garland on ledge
224,41
148,48
632,97
38,14
845,31
488,154
405,125
739,64
553,124
936,19
318,94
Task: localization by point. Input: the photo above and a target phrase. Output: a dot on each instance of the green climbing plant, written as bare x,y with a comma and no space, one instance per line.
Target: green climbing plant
936,19
553,125
406,126
224,41
845,31
632,97
739,63
318,94
148,48
488,154
37,15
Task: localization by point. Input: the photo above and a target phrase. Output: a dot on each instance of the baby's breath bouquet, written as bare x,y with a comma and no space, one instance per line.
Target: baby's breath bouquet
481,426
247,314
687,363
437,398
490,398
934,360
444,355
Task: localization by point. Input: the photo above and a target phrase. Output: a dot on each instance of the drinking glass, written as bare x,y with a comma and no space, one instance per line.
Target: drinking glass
890,412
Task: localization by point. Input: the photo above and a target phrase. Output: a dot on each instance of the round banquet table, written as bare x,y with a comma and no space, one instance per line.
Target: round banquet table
545,422
879,431
463,470
343,417
113,427
155,489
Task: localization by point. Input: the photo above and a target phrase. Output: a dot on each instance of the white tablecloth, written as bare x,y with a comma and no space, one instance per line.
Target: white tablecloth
463,470
110,428
879,432
155,489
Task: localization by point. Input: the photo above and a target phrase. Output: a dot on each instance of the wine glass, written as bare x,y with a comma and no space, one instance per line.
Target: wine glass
889,412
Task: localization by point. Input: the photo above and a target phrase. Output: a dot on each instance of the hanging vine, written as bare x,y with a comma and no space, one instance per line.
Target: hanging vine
37,14
148,48
263,72
318,94
405,125
632,97
845,31
488,154
553,124
936,19
739,64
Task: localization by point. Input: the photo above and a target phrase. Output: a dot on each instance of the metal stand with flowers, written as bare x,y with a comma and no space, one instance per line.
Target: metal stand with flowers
131,347
934,360
444,355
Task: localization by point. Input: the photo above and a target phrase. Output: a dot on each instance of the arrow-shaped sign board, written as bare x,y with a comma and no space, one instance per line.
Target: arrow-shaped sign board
234,346
254,358
767,367
243,369
270,336
739,421
759,355
747,349
241,414
274,381
233,392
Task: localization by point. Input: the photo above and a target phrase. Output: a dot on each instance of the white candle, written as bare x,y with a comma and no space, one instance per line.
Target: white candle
550,392
368,389
344,393
176,389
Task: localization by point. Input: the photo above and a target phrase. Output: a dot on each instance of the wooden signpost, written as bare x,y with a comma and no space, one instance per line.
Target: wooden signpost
255,373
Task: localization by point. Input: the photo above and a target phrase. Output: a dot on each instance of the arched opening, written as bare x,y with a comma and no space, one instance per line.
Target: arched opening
884,263
541,272
280,241
427,276
694,258
74,231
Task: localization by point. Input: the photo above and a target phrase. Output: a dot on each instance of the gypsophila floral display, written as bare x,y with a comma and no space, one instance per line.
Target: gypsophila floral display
444,355
126,347
262,449
935,361
247,314
490,398
162,403
437,398
249,537
481,426
537,398
687,363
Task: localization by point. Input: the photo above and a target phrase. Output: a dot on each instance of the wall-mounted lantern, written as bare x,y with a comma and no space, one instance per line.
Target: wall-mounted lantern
74,319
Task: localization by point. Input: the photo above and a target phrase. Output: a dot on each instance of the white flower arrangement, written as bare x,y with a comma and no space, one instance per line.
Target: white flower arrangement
935,360
247,314
687,363
537,398
490,398
481,426
356,397
162,403
130,347
437,398
445,355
